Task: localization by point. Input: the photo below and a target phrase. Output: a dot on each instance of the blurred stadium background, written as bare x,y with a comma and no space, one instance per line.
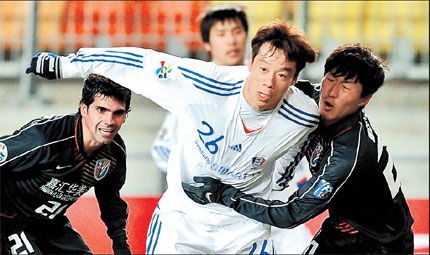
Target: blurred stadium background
396,30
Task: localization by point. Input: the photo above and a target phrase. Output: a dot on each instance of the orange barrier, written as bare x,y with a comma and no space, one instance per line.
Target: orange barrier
85,217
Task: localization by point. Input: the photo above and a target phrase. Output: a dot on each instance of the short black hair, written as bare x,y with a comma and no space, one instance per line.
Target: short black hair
356,60
221,13
96,84
288,38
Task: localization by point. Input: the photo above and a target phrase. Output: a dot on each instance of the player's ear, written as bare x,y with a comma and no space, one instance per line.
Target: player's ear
84,109
294,81
365,100
207,47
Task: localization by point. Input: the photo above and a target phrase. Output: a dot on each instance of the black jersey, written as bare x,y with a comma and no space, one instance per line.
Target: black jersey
353,176
44,170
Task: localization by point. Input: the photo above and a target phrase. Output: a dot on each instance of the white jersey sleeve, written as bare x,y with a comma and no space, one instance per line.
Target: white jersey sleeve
165,79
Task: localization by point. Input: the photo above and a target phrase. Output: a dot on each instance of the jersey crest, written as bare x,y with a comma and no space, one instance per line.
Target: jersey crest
258,161
101,169
3,152
316,155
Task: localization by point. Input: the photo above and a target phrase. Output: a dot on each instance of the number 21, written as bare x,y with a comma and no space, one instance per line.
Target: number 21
54,210
19,240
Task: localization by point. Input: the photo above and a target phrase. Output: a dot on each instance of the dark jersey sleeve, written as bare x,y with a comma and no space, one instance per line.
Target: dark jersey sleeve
305,203
27,147
114,210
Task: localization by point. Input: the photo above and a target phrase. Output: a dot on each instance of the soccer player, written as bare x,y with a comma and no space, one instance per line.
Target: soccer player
52,161
234,122
353,174
224,31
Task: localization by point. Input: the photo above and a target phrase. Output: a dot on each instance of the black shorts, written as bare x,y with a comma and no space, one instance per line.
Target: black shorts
56,237
329,240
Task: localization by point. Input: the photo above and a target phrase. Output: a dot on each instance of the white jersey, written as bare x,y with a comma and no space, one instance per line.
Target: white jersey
219,134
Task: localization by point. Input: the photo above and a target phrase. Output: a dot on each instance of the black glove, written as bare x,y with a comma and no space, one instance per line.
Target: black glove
46,65
209,192
120,246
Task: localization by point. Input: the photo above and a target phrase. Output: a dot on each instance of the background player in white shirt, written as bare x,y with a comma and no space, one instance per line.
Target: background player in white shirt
234,123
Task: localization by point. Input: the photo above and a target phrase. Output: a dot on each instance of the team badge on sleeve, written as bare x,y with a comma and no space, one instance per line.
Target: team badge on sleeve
323,189
163,71
3,152
101,169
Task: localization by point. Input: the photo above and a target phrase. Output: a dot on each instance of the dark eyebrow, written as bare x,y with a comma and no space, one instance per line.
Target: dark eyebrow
351,80
119,112
101,108
287,69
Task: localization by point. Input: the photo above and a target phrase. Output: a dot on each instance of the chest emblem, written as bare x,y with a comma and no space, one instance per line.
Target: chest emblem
258,161
101,169
316,155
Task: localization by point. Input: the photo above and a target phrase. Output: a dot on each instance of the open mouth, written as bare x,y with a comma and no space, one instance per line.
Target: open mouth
328,106
106,131
262,96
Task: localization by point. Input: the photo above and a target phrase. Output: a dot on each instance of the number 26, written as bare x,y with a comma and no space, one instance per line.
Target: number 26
210,145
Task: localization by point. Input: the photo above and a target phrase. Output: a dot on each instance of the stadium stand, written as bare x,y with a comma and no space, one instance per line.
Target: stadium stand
64,26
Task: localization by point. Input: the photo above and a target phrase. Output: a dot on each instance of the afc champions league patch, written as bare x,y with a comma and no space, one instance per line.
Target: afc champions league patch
163,71
316,155
3,152
322,190
101,169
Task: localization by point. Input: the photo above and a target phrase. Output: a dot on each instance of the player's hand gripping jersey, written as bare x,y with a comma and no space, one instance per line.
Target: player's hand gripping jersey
219,134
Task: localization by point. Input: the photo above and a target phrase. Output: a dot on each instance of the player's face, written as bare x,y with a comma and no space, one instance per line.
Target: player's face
227,42
101,121
339,98
271,74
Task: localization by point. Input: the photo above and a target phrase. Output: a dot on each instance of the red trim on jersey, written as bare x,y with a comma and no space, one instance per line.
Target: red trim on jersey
247,131
76,132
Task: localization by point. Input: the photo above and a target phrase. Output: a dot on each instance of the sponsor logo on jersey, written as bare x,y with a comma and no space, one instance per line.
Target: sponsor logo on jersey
163,71
258,161
237,147
316,155
101,169
323,189
63,190
3,152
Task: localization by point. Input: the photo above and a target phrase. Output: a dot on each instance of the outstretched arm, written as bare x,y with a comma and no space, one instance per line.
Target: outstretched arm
300,208
165,79
129,66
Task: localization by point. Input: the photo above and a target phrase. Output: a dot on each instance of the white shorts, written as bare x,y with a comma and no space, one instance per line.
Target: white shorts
291,241
181,226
